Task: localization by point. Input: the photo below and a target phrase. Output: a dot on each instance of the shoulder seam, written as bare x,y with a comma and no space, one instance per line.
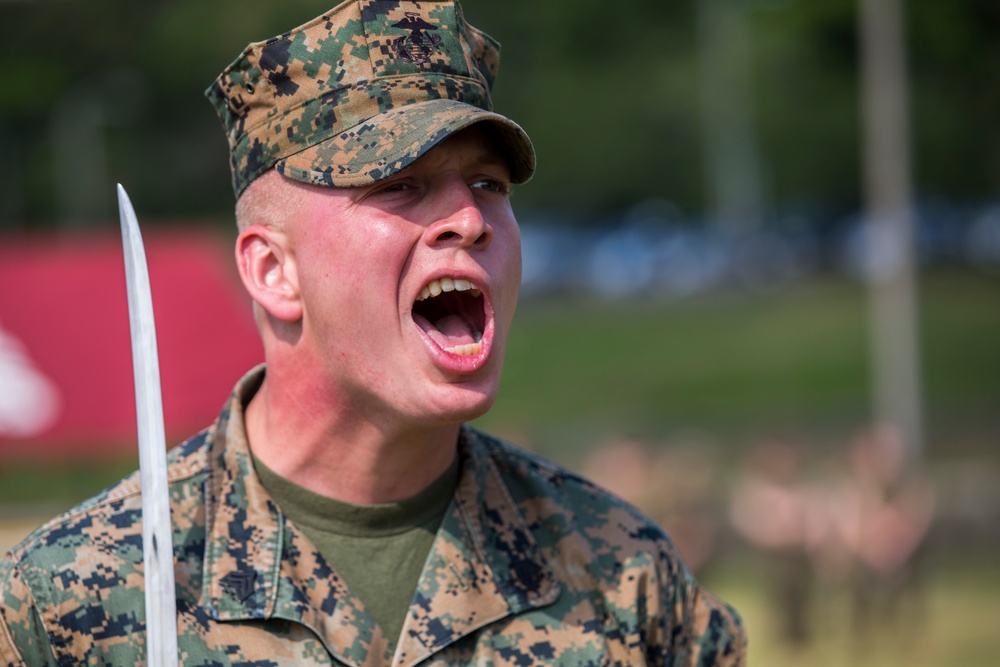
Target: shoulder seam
123,490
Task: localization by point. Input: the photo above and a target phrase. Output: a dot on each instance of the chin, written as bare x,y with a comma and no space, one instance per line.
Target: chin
462,403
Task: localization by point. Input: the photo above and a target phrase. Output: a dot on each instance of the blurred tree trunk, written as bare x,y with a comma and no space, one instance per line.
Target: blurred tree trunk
732,161
890,233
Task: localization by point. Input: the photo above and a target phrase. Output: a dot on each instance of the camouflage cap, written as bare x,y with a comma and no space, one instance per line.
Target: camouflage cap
359,93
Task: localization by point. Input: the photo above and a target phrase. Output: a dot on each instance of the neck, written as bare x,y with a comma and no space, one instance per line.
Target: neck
342,452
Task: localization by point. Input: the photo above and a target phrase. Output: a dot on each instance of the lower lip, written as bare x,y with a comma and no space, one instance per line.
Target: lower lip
458,363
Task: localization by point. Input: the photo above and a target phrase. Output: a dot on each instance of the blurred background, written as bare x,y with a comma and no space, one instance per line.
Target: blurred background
761,292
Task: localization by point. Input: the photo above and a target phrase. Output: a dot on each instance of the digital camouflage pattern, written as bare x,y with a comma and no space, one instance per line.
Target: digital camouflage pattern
532,565
360,93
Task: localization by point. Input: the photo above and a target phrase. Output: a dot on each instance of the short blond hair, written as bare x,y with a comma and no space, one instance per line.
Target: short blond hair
266,202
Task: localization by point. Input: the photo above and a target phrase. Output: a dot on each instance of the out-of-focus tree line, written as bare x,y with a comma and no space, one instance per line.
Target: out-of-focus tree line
612,94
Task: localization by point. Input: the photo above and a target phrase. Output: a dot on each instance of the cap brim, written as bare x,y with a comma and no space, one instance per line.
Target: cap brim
390,142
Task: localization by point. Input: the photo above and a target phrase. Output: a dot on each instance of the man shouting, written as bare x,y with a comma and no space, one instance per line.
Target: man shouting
339,511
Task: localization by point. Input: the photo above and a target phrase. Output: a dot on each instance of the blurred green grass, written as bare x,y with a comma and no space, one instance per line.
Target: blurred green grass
954,625
739,366
732,367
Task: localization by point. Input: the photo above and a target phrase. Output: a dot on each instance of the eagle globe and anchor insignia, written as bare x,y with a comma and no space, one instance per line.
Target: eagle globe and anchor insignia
418,46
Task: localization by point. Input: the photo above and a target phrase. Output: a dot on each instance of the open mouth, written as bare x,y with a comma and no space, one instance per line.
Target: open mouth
451,311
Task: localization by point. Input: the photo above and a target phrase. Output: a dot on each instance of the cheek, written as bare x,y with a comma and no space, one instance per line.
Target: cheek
363,268
330,276
383,241
351,251
509,239
515,261
508,267
383,254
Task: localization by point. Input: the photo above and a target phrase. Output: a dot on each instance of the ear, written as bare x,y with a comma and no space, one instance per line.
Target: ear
268,271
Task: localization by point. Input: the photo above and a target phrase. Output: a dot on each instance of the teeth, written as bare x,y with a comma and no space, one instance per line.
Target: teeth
467,350
436,287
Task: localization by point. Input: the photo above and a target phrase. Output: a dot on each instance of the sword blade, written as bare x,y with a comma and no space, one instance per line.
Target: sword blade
157,543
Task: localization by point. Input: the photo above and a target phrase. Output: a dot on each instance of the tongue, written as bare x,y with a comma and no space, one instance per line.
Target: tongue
452,330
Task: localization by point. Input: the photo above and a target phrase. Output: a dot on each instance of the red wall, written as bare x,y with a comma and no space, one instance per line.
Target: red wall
65,359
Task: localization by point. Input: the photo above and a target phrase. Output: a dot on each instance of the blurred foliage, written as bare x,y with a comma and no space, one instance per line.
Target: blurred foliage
610,95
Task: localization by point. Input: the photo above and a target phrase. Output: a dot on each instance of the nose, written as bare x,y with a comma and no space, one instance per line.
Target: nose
460,222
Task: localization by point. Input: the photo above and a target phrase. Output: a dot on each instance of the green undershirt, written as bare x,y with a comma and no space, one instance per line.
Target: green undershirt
378,550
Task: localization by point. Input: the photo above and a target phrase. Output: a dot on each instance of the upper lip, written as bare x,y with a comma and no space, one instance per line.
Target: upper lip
479,282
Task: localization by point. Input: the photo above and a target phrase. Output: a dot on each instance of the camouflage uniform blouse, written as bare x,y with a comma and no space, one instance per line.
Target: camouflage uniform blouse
531,566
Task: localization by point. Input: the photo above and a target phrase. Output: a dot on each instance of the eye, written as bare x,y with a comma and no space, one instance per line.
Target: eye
394,186
390,188
491,185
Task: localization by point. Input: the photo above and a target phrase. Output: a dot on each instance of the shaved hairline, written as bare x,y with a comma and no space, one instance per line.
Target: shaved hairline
266,202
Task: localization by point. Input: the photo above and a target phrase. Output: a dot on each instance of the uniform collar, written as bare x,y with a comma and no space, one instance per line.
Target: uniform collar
484,564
